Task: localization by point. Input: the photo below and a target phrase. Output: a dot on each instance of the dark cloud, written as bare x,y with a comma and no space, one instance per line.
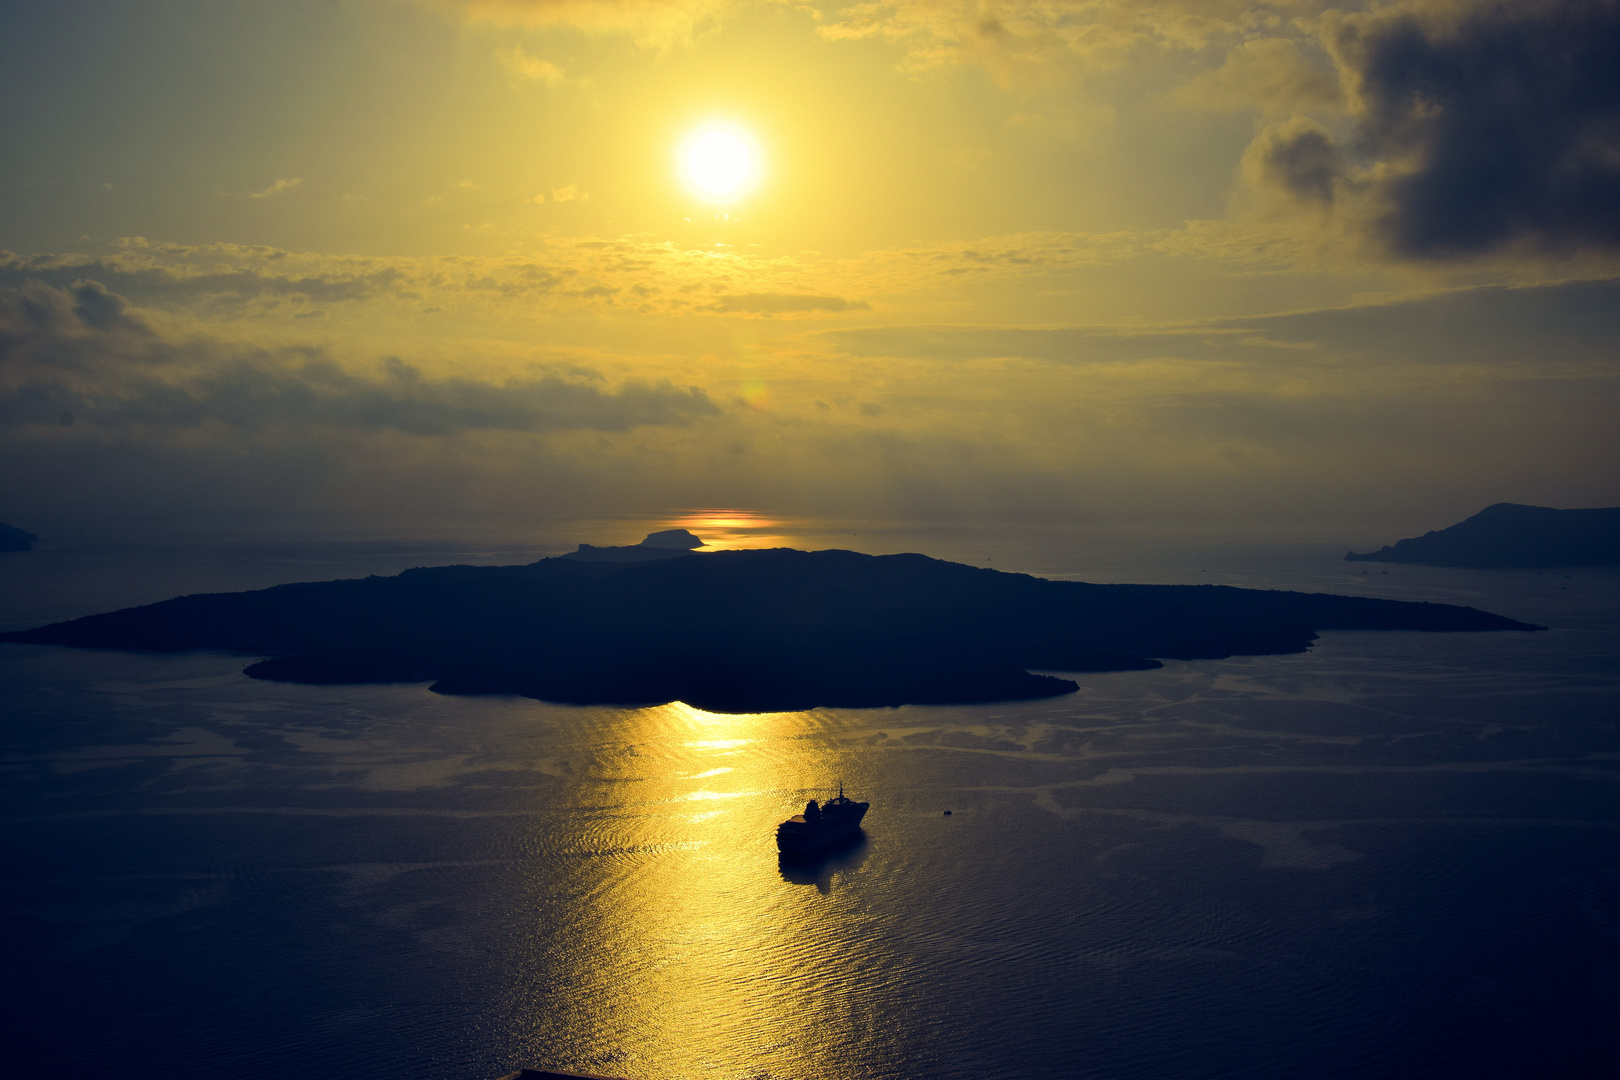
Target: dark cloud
1500,126
1302,160
784,303
256,396
81,353
38,309
530,279
99,309
68,329
151,284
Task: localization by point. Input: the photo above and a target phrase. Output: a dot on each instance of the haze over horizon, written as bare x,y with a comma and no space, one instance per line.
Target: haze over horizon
1290,264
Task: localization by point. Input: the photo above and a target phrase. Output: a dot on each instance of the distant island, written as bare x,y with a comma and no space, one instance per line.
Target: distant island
15,539
668,544
739,631
1511,535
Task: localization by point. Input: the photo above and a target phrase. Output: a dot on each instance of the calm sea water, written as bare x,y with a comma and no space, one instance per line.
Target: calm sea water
1397,855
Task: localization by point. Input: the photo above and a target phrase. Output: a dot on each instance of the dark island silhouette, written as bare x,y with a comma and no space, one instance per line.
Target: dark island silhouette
669,544
1511,535
738,631
15,539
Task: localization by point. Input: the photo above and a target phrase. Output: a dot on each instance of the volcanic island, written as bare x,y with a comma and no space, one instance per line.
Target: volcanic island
767,630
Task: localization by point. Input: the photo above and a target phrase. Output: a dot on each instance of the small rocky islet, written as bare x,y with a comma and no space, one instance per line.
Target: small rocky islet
15,539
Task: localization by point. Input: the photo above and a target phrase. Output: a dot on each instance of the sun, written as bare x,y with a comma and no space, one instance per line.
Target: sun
719,162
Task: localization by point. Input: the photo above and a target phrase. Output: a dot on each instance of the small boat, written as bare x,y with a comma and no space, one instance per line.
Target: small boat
820,825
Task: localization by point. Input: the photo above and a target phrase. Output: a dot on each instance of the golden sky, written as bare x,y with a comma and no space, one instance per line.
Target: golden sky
1288,264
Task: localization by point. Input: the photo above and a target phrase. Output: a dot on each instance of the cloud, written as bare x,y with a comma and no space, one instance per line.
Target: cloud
1485,125
1011,36
68,328
284,184
1531,326
99,309
569,193
1014,36
1066,344
1272,74
784,303
1299,157
1570,322
1438,129
174,272
1038,276
237,281
531,68
82,353
648,275
257,396
1320,412
649,22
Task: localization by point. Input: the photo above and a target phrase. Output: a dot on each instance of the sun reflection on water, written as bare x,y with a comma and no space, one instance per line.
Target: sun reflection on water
709,941
733,530
697,796
717,744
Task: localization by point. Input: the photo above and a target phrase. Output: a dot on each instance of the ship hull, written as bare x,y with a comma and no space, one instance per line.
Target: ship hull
797,836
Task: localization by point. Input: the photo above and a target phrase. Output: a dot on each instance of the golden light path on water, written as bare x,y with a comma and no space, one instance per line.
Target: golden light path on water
698,947
696,935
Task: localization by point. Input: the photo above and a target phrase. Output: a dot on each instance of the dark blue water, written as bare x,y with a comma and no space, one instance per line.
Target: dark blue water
1396,856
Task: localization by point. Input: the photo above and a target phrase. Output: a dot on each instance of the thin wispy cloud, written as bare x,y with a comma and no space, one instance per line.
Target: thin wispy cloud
654,23
528,68
285,184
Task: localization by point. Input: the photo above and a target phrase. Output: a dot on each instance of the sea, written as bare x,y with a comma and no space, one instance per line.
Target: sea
1395,855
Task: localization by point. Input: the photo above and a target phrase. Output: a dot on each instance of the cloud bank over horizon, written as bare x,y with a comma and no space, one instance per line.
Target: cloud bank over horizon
126,409
1291,261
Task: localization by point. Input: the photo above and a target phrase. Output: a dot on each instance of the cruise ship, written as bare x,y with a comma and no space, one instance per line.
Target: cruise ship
820,825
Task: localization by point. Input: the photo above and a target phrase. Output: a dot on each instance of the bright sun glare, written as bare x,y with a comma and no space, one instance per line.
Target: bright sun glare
719,162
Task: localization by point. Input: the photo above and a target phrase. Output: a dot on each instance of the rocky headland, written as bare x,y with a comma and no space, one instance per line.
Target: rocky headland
1511,535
